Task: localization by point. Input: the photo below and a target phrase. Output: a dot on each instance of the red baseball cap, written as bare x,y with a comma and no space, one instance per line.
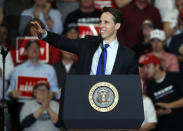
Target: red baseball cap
42,83
150,59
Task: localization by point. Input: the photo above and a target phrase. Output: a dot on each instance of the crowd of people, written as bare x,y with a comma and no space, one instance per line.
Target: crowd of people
36,71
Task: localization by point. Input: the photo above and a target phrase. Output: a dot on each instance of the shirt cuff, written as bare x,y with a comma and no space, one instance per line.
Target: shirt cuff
43,36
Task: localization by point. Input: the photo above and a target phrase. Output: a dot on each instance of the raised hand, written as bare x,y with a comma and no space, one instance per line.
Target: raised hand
36,28
36,12
47,7
46,103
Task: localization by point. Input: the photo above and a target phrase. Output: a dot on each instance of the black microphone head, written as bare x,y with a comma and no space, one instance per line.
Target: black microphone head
4,51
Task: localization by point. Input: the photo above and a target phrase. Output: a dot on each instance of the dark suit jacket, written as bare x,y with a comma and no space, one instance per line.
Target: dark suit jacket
125,62
61,72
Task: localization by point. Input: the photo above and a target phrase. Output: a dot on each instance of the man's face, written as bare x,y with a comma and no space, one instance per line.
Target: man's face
142,1
86,3
3,34
179,4
157,45
146,29
40,2
41,93
150,70
33,51
72,34
108,28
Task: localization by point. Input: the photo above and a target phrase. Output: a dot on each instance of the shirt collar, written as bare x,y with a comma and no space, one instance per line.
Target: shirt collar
29,63
161,80
112,44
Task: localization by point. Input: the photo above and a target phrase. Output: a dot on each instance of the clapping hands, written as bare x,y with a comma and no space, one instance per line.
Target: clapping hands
165,108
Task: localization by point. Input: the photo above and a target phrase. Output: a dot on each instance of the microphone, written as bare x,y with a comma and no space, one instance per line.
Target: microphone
4,51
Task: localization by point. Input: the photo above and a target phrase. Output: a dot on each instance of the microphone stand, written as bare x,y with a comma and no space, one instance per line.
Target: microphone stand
4,53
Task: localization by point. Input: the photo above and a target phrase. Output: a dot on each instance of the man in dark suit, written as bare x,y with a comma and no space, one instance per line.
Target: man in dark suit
117,58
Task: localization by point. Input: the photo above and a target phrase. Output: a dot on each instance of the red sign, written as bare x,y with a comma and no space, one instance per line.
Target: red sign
20,46
100,4
88,29
26,84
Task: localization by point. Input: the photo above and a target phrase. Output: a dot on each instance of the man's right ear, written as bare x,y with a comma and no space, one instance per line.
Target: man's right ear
117,26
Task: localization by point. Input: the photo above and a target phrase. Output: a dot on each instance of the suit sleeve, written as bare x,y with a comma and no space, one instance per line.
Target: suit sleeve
64,43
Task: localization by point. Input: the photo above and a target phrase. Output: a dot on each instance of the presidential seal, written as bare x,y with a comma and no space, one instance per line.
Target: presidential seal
103,97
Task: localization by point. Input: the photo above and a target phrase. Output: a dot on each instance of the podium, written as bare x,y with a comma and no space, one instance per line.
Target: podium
102,102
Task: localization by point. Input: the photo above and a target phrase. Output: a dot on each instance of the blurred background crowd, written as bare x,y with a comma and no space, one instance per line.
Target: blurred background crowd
36,72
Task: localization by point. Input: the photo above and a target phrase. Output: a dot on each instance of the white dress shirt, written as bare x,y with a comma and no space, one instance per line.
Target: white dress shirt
111,56
68,66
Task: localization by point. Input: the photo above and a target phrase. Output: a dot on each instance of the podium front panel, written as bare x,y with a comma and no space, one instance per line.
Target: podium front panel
79,114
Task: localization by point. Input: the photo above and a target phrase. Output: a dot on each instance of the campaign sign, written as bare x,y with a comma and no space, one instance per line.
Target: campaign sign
88,29
100,4
25,85
20,49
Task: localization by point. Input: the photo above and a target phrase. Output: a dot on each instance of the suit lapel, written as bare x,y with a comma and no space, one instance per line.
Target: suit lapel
118,61
92,50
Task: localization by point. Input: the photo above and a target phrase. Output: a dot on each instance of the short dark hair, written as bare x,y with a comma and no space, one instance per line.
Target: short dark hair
115,12
70,26
5,25
30,42
41,83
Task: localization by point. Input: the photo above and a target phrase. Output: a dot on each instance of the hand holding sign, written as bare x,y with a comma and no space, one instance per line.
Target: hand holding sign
46,103
26,84
15,94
